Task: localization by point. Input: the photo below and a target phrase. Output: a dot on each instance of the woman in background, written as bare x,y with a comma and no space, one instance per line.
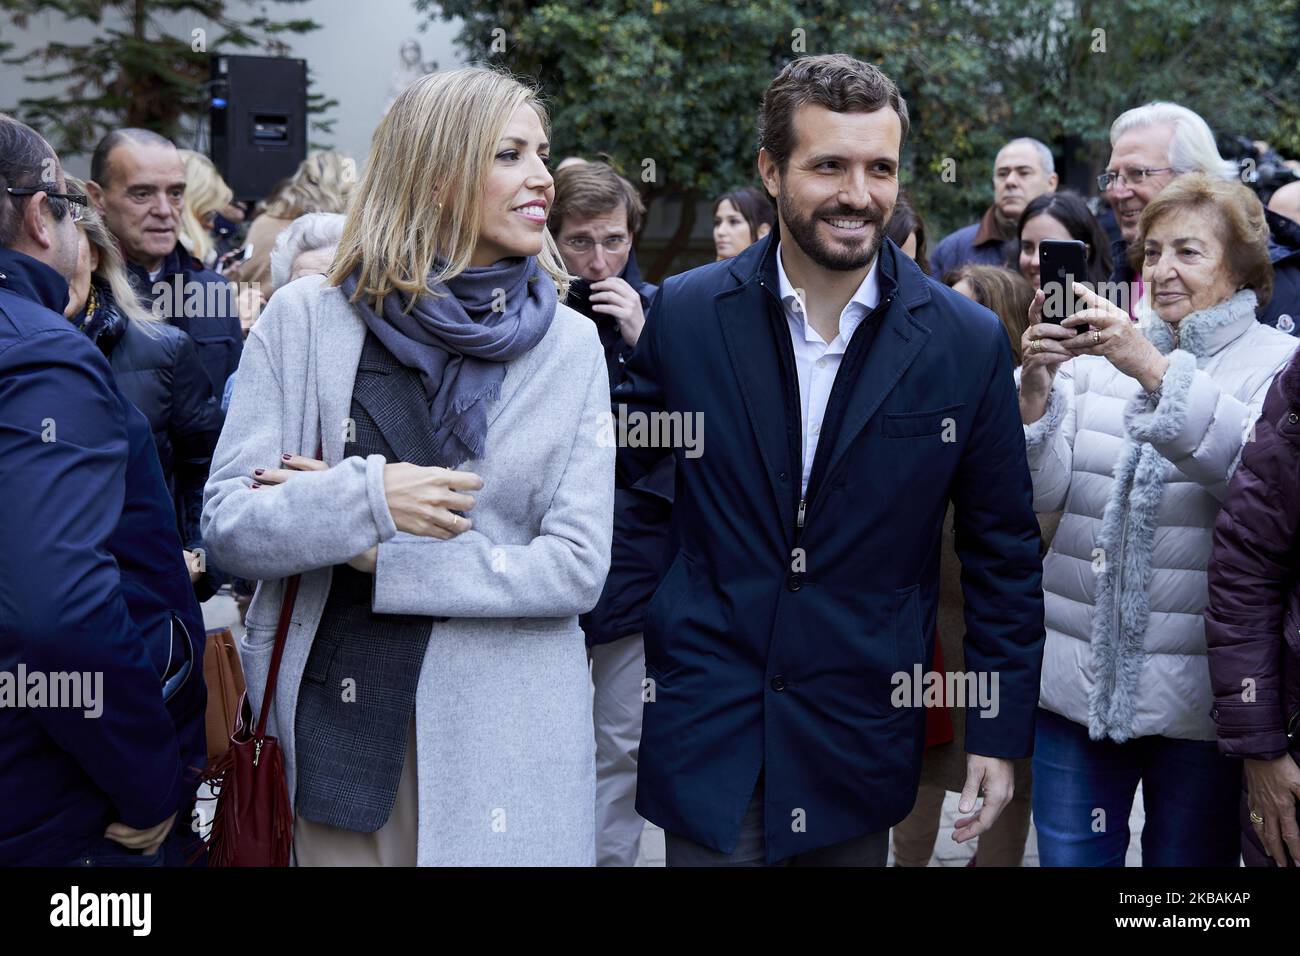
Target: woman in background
324,182
907,229
1061,215
740,218
206,195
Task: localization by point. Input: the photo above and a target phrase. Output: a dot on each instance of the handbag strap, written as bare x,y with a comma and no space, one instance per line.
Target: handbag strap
281,637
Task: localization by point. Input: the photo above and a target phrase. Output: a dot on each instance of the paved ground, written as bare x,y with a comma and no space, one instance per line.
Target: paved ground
221,612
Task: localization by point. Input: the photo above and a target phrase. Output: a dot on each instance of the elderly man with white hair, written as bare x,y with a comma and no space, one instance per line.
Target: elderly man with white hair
1022,170
1150,146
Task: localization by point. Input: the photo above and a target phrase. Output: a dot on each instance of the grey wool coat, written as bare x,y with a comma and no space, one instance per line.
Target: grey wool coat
503,716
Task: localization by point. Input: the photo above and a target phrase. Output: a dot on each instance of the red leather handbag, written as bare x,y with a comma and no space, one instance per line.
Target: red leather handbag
253,823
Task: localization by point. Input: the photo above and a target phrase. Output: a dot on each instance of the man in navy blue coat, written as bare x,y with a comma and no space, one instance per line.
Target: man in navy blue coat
95,598
845,400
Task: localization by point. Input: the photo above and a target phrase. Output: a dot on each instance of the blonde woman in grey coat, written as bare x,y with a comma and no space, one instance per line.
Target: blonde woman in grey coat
1134,431
433,701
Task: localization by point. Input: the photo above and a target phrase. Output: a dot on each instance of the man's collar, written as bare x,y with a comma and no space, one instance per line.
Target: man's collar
32,279
989,230
867,295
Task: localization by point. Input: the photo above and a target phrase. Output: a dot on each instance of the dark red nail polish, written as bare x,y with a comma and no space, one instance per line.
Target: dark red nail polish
256,486
258,471
287,457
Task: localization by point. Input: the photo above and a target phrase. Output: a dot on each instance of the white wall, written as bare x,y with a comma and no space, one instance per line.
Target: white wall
352,56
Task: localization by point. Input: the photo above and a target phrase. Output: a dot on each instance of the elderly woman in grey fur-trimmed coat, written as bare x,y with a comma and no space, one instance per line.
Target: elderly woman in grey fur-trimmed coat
433,703
1134,431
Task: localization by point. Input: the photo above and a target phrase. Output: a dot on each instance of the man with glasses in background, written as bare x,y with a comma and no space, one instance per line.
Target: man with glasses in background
594,217
1149,146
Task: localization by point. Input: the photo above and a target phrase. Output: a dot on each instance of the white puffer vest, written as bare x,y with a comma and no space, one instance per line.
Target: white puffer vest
1140,484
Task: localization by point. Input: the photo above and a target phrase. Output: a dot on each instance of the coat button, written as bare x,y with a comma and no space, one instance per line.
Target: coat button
1293,418
782,476
778,683
795,581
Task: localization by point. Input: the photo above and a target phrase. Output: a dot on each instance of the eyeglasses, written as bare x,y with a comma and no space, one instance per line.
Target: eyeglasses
76,203
586,243
1133,176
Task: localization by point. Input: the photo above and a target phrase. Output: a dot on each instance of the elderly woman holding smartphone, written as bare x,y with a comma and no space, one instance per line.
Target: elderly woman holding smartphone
433,704
1134,431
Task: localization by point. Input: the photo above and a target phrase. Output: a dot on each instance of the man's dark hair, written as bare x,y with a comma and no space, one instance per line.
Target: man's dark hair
593,189
833,80
114,139
24,161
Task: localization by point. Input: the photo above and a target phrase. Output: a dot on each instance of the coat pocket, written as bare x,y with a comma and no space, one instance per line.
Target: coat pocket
921,424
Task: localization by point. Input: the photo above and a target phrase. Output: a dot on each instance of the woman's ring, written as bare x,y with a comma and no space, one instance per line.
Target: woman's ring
1255,818
1096,336
1038,345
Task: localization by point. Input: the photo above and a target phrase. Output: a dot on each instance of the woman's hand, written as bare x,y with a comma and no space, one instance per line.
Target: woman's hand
1273,787
290,466
1116,338
365,561
423,500
1042,350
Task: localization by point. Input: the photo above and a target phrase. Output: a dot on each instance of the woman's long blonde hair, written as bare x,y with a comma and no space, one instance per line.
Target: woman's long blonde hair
323,182
205,192
111,268
420,199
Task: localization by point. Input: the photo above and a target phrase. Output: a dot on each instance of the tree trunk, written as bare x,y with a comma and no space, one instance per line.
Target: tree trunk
681,235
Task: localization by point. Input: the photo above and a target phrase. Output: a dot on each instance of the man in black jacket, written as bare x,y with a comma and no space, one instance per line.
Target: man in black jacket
137,182
594,217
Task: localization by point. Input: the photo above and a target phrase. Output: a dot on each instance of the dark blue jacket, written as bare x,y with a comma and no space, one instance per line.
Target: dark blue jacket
1282,310
209,313
641,545
91,580
772,647
976,244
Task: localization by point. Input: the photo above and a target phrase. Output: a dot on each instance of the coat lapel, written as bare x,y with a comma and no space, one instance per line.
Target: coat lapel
342,343
896,346
394,399
747,332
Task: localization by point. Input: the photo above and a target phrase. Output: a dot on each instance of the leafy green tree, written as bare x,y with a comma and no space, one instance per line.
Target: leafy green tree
679,82
137,73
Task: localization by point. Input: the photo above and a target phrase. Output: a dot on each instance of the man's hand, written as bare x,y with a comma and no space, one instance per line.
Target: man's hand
147,840
996,778
249,303
613,296
194,564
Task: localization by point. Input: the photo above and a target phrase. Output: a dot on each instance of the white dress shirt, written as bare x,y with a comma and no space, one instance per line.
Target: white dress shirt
817,360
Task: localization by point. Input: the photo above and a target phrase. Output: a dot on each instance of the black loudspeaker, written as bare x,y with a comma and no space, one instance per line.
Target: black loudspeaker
258,112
